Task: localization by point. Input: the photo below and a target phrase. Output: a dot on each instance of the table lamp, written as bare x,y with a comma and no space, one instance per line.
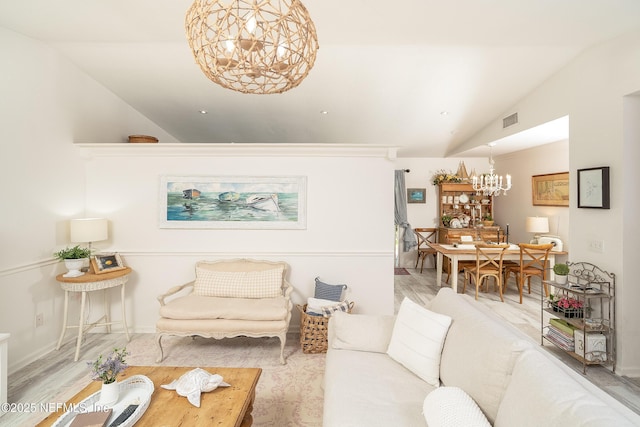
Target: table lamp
88,230
537,225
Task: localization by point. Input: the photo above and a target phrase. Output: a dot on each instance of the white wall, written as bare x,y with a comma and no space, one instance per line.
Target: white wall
49,106
348,238
514,208
592,91
46,105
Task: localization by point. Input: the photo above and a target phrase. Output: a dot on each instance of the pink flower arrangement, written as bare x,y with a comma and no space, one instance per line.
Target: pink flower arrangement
569,303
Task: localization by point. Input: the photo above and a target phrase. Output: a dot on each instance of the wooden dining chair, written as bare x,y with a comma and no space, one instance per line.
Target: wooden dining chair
424,236
488,264
533,262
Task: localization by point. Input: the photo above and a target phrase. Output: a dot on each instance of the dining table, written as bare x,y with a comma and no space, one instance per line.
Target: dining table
467,252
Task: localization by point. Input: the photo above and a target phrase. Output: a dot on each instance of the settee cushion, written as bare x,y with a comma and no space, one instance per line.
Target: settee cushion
238,284
361,332
198,307
542,394
452,407
479,352
417,339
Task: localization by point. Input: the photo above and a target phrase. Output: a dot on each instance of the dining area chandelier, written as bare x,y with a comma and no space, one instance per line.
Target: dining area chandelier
252,46
491,184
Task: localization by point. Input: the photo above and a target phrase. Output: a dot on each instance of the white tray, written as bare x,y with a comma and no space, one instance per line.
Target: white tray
132,391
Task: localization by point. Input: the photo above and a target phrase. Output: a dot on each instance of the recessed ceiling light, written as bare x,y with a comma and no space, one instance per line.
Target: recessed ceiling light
444,113
203,111
324,112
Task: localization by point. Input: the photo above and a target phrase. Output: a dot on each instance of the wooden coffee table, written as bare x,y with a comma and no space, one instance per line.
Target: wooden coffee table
224,406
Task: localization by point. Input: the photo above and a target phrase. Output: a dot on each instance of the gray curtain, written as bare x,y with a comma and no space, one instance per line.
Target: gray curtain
408,238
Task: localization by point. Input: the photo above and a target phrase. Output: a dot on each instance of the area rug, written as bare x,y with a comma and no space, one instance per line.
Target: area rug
399,271
286,395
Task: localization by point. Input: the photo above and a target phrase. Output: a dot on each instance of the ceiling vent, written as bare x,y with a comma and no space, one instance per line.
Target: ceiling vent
510,120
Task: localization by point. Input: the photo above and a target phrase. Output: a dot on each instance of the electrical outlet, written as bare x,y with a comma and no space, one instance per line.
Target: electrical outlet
39,319
596,246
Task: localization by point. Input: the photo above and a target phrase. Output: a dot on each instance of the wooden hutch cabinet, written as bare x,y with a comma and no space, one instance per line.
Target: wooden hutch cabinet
458,200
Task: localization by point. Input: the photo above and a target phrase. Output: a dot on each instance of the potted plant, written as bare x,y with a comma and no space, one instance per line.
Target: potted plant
487,220
446,220
74,259
107,371
562,273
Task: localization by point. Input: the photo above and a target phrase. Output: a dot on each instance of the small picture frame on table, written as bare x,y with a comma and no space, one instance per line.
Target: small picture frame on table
416,195
593,188
106,263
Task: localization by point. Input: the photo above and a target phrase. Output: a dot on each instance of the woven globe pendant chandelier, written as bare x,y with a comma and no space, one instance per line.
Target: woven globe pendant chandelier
252,46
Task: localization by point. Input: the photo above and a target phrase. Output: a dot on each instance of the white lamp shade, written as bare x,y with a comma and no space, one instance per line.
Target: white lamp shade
89,230
537,224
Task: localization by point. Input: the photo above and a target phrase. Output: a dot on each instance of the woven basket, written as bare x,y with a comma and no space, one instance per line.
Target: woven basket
313,331
142,139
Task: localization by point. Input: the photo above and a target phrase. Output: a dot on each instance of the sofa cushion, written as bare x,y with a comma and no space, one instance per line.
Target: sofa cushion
238,284
362,332
198,307
327,291
452,407
479,352
371,389
542,394
417,339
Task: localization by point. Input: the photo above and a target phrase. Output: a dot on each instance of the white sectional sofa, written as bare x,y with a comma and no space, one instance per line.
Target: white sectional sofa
489,374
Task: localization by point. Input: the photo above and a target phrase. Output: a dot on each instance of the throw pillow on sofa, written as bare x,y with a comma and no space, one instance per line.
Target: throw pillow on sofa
417,340
452,407
353,332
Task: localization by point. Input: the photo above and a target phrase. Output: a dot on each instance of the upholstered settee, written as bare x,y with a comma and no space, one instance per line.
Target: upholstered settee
229,298
381,371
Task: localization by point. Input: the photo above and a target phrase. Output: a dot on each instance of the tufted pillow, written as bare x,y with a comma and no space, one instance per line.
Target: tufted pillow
330,292
417,340
452,407
238,284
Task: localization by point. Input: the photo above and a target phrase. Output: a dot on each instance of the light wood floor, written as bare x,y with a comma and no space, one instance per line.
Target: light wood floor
526,317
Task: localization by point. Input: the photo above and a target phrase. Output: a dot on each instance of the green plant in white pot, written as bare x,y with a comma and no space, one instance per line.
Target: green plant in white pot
74,258
562,273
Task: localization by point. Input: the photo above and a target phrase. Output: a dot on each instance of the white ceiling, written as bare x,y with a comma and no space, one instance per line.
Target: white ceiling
385,70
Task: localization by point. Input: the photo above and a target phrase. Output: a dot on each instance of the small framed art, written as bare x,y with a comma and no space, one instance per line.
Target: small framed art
550,189
593,188
416,195
105,263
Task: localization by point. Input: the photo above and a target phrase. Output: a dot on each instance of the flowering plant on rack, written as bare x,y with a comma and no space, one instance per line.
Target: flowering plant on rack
108,369
443,176
569,303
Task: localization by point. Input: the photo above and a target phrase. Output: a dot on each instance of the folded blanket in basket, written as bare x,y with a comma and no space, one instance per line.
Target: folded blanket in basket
320,307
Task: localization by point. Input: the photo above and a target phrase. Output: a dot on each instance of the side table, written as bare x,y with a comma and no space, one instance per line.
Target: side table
90,282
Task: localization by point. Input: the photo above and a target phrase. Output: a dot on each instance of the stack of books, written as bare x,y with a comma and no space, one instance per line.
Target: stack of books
561,333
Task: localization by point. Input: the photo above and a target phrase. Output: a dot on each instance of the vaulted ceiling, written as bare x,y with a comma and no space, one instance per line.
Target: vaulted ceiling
424,75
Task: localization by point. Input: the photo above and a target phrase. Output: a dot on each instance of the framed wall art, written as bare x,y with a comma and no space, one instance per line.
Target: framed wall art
250,202
106,263
550,189
416,195
593,188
